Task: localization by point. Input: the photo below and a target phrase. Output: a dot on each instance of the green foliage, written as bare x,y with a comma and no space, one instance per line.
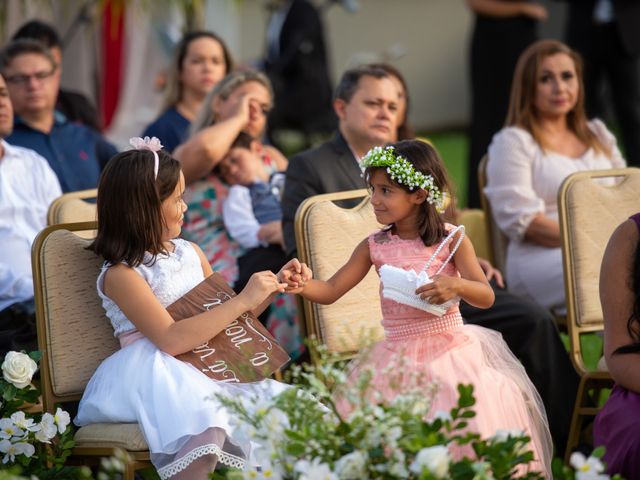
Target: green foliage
35,444
303,434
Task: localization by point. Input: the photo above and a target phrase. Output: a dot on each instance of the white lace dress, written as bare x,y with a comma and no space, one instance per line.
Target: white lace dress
171,400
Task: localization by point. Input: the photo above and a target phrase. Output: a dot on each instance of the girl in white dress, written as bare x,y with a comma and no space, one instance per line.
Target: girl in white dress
140,212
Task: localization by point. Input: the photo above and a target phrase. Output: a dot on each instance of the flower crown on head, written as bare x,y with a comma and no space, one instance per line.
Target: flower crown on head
402,171
153,145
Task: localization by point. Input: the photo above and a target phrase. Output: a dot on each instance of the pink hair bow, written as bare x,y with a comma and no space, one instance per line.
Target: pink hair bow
153,145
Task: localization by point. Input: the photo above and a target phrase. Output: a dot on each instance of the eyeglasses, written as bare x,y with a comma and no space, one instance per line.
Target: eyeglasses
23,80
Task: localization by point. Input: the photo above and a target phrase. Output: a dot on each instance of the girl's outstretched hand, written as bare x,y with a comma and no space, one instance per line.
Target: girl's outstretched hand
442,289
259,287
295,274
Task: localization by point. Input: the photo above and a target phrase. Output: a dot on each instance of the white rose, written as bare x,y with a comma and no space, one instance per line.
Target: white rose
434,459
18,369
351,466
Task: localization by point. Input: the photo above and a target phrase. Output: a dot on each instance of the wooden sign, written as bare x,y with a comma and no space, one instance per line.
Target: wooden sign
244,351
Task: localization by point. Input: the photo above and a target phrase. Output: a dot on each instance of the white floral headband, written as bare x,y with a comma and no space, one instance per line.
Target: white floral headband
402,171
153,145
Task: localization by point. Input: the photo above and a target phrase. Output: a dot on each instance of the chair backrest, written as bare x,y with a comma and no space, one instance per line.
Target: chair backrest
591,205
475,225
498,241
73,207
326,236
74,335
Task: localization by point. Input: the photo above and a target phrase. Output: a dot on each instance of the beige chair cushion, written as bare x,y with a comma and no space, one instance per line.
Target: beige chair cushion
332,233
476,229
76,210
80,335
594,211
109,435
80,210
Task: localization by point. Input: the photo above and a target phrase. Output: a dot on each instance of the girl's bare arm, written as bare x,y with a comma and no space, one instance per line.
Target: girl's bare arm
349,275
617,298
136,300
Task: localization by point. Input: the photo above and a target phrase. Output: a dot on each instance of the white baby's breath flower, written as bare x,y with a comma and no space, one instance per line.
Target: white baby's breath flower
434,459
8,429
587,468
18,369
351,466
11,450
314,470
47,429
62,420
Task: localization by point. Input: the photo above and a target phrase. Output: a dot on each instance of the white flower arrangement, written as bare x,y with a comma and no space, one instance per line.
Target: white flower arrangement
402,171
378,440
35,444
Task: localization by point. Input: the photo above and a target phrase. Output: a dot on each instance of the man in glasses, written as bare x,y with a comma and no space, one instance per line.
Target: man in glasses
76,153
74,105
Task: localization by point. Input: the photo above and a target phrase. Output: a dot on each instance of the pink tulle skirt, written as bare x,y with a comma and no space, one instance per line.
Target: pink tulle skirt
505,397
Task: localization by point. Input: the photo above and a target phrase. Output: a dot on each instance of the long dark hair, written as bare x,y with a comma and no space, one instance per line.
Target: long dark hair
173,91
424,158
633,323
130,220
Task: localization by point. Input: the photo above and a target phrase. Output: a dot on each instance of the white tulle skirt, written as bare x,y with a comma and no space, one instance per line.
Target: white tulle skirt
174,404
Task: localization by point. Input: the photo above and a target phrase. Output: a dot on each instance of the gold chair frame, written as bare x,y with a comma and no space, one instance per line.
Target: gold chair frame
58,383
498,241
584,317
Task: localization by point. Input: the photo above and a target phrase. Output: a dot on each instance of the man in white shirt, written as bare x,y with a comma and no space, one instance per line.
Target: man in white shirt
27,187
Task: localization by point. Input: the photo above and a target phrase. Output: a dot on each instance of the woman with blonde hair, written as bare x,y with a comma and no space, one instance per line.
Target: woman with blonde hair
200,61
240,102
546,138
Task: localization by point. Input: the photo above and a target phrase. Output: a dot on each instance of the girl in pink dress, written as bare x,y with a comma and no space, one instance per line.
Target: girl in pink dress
426,267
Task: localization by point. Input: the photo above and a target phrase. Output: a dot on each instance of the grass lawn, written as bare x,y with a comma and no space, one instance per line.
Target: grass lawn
453,147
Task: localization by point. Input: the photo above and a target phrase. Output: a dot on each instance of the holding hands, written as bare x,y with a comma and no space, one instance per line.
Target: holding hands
259,287
295,274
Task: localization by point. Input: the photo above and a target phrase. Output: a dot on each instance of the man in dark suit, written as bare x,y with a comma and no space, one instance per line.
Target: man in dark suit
366,102
607,35
297,65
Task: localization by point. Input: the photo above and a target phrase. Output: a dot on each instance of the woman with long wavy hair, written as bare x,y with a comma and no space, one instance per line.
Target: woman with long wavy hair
547,137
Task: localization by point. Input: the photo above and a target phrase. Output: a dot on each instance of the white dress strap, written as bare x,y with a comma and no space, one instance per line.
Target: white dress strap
459,228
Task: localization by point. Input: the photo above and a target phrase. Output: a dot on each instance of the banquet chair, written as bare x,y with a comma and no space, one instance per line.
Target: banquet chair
326,236
74,336
73,207
591,205
498,241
